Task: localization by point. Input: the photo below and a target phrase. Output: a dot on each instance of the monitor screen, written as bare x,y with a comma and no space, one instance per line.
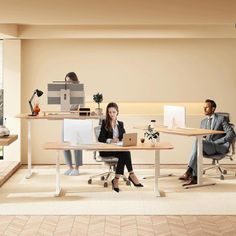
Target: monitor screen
66,95
174,116
78,131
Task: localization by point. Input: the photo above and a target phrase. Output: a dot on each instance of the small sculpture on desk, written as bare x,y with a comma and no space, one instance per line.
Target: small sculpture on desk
36,109
152,135
4,131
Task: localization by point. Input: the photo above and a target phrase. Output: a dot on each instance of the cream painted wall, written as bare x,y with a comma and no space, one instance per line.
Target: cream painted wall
129,71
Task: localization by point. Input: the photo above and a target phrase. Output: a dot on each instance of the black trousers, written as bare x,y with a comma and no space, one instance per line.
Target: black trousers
124,159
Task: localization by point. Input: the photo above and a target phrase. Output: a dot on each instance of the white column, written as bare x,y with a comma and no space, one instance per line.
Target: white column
12,94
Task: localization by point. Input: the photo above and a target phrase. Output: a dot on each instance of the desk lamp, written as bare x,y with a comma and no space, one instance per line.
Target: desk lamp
39,94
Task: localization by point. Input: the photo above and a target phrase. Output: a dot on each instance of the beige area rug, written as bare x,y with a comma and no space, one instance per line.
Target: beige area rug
20,196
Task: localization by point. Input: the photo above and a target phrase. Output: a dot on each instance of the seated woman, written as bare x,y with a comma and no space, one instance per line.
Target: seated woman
112,131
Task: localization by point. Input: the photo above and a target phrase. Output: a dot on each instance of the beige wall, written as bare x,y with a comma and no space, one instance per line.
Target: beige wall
129,71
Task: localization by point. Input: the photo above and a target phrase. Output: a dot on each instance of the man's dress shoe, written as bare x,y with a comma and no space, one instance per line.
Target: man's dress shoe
186,176
191,181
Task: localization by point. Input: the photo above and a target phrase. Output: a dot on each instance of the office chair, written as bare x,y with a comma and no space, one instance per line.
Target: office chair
111,162
216,158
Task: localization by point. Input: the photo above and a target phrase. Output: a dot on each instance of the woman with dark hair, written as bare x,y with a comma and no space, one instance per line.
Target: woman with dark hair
71,77
112,131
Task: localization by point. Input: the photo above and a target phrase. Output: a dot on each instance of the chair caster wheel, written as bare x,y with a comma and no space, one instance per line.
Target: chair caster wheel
102,178
204,172
105,185
225,172
128,183
222,177
89,181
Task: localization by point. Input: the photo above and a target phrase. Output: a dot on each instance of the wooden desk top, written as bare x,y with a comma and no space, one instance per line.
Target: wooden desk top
183,131
5,141
105,146
56,116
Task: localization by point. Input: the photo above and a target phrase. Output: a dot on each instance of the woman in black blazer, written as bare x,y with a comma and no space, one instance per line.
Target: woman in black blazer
112,131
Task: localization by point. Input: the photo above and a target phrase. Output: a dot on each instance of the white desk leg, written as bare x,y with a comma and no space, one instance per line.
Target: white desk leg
29,151
58,187
157,173
199,166
199,160
160,175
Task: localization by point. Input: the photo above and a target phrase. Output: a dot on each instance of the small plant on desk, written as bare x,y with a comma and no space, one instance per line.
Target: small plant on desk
151,134
98,98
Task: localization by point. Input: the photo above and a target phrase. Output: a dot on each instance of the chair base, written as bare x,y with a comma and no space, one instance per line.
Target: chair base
106,177
219,169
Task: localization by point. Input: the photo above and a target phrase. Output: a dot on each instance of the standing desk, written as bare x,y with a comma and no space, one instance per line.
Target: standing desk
47,116
60,146
190,132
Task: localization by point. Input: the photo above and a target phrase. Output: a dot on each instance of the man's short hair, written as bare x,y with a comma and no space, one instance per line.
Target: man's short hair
213,104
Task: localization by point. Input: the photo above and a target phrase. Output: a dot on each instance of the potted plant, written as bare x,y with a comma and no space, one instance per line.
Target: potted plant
151,134
98,98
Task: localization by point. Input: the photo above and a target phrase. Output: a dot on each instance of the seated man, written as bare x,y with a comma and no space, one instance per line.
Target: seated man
212,144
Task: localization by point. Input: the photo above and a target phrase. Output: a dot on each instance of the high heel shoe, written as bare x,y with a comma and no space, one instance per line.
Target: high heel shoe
113,186
136,185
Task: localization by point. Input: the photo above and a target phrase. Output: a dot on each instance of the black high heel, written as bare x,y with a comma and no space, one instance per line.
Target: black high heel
136,185
113,186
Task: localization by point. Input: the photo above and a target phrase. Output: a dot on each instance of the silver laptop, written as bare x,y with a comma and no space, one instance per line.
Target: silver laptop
130,139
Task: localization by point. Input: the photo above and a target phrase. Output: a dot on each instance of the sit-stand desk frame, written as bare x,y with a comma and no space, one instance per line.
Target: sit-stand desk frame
191,132
53,116
56,146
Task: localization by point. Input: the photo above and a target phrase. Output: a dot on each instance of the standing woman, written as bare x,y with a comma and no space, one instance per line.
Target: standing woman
71,77
112,131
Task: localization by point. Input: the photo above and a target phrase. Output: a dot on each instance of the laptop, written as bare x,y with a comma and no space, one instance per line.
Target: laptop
129,139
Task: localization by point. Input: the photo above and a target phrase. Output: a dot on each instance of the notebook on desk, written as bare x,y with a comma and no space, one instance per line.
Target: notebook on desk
58,113
129,139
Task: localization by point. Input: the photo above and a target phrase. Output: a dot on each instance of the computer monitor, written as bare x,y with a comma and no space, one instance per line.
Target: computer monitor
78,131
66,94
174,116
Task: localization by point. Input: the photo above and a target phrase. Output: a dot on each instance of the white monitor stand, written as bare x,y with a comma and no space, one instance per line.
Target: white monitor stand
65,100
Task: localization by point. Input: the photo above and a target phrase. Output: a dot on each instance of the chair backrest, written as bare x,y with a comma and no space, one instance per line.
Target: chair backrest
225,114
110,160
97,130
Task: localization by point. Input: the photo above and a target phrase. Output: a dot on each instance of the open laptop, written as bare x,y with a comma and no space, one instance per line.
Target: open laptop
129,139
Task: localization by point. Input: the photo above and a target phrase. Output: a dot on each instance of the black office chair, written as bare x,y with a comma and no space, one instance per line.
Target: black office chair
111,162
216,158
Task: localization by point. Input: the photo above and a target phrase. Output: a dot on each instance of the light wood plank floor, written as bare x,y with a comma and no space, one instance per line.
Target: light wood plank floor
118,225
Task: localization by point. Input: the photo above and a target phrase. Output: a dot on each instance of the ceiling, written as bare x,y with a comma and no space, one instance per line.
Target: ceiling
117,12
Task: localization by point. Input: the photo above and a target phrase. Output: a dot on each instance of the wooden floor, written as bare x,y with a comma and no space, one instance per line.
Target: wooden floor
118,225
7,169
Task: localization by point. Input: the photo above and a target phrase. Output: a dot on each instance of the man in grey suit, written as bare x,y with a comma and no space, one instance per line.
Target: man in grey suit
212,144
